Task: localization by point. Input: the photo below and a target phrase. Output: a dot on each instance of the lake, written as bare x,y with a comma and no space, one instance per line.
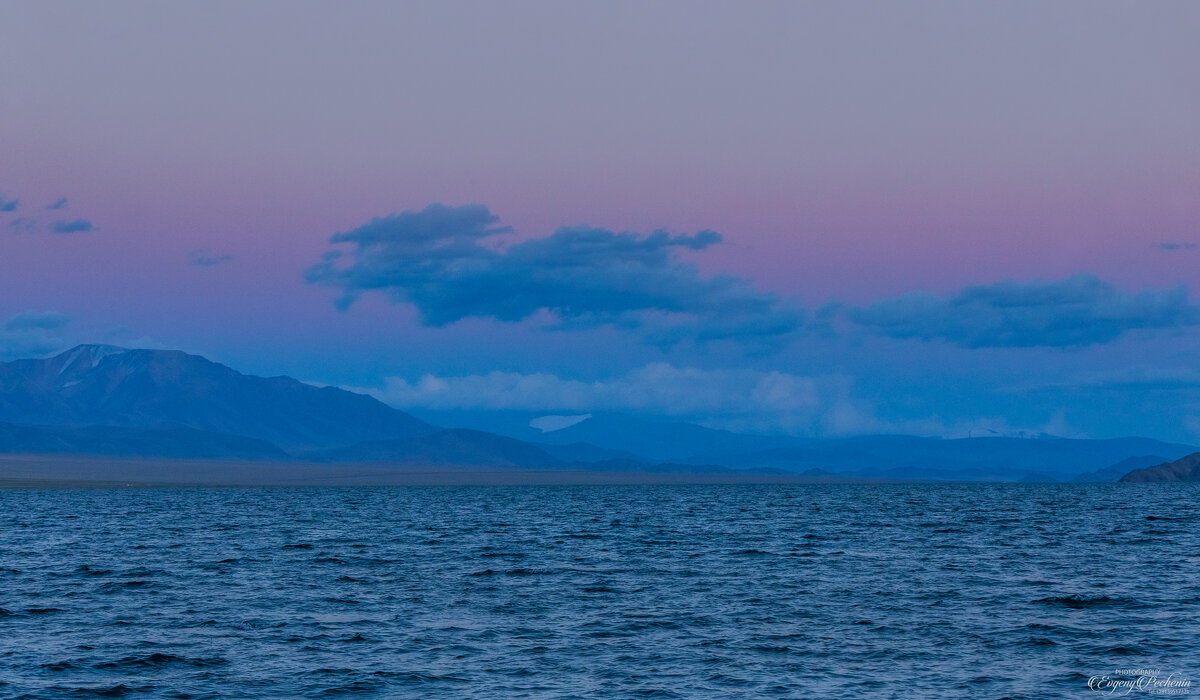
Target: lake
692,591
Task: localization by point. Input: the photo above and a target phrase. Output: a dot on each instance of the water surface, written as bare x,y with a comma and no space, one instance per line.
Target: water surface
799,591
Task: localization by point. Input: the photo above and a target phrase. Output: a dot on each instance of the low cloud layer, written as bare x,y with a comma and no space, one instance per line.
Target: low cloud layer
32,333
738,399
34,320
1132,380
449,263
7,205
1078,311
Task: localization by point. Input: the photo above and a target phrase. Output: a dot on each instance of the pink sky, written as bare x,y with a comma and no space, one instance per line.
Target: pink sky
847,153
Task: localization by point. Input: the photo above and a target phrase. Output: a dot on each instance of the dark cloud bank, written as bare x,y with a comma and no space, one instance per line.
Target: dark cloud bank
1078,311
72,226
439,259
449,262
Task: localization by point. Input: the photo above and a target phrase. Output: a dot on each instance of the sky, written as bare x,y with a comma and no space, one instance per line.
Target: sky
936,218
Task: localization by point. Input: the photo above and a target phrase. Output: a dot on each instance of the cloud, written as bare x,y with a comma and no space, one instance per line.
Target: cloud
33,320
737,399
451,264
549,424
73,226
1078,311
32,333
206,258
1135,380
732,399
23,224
1171,246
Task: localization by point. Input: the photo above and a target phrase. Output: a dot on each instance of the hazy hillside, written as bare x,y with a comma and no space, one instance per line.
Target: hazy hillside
463,447
1185,469
872,456
988,457
113,441
655,440
1116,471
104,400
104,385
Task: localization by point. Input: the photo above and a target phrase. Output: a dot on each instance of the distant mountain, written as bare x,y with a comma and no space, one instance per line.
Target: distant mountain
582,452
870,457
458,446
104,400
156,389
1185,469
991,458
110,401
110,441
651,440
891,457
1116,471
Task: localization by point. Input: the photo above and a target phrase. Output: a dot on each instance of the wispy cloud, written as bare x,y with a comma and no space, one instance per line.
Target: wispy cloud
1173,246
72,226
37,320
207,258
1078,311
26,224
450,263
23,224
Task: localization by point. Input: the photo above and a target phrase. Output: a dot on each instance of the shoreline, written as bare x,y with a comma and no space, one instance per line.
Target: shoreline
43,471
82,471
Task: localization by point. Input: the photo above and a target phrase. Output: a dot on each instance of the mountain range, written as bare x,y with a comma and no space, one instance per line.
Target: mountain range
1042,458
100,385
108,401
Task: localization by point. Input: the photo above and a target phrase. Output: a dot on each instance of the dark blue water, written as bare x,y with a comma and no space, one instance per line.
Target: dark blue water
804,591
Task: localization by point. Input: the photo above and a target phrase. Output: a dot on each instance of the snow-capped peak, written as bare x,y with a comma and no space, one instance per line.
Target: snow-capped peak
86,357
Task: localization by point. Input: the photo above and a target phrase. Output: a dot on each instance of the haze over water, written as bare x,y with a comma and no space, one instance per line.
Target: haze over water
896,590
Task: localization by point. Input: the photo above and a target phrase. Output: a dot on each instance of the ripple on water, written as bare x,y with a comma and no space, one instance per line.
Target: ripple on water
159,660
821,591
1079,601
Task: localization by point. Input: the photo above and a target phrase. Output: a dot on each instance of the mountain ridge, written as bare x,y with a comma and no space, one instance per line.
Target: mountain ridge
451,446
151,389
1184,469
113,441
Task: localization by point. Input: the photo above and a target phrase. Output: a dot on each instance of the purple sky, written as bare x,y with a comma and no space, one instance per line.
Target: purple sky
1033,167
